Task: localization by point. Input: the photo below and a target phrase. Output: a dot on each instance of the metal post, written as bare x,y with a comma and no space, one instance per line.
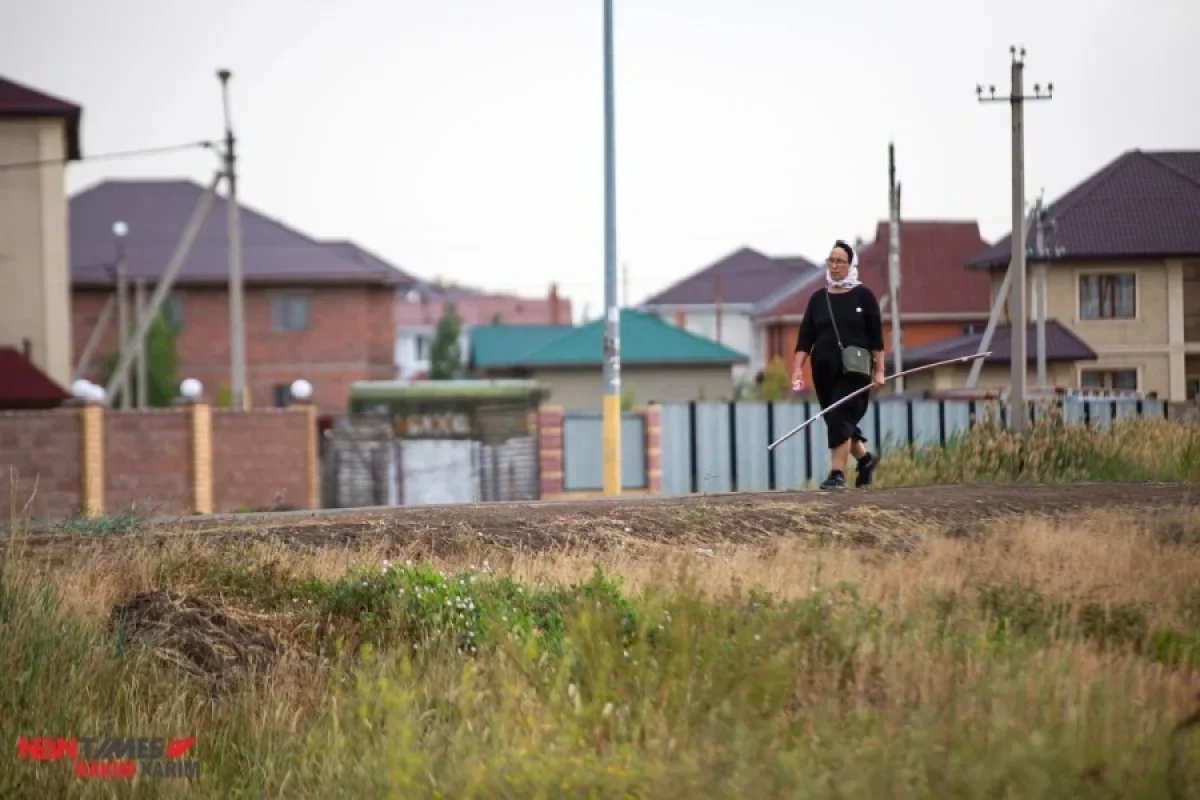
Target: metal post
1019,409
894,266
119,231
143,393
237,318
163,287
612,316
993,319
1039,215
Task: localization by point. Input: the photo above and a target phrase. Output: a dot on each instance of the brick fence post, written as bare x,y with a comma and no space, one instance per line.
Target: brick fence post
91,438
201,450
653,431
312,448
550,449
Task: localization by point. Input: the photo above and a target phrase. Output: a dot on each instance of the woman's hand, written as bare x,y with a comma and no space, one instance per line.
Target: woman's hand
879,377
798,379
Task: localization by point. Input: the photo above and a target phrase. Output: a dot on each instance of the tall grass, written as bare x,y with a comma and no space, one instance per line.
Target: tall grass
1053,449
1036,661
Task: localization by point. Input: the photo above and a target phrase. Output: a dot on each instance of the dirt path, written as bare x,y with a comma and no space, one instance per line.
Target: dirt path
882,518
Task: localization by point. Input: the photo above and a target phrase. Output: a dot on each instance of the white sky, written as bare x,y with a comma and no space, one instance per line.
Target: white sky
464,138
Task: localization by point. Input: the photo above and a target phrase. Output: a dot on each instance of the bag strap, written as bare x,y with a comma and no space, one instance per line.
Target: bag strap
833,321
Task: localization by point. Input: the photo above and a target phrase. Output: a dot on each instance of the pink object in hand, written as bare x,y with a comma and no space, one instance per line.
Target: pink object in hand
798,385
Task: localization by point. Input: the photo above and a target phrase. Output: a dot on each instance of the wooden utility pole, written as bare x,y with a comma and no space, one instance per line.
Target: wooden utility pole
894,267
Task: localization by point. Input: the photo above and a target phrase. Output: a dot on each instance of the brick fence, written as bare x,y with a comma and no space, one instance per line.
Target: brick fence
184,460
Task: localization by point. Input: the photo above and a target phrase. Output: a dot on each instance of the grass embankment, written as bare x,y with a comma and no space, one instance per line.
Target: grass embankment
1033,659
1053,450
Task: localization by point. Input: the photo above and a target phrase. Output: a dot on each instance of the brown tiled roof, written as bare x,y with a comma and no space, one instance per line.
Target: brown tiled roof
25,387
18,100
157,211
933,281
747,276
1144,204
1061,345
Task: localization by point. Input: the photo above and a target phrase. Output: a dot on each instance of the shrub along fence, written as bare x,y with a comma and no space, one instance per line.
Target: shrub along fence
722,447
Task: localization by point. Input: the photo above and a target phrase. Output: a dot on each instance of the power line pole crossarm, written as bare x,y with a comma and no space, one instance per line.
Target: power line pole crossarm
1018,318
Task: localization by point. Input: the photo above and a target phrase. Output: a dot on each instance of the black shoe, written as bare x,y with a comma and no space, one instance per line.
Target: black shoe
865,471
836,480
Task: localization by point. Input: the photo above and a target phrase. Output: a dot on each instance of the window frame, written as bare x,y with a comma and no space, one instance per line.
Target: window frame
1113,273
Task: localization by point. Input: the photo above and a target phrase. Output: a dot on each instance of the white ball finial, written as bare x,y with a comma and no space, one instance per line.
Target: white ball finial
81,389
120,229
301,389
96,393
191,388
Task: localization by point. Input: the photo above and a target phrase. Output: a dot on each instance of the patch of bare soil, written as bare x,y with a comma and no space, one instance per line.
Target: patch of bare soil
219,646
887,519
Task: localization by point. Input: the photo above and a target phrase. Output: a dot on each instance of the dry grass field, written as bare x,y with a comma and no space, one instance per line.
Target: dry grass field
971,641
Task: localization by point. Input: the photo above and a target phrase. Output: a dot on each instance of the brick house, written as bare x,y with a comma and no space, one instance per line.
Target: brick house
939,299
322,311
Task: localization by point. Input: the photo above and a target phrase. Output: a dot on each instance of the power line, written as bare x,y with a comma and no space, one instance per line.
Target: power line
149,151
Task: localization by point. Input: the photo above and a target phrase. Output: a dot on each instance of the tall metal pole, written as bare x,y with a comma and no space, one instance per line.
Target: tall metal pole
894,266
1019,407
119,231
139,301
612,315
237,316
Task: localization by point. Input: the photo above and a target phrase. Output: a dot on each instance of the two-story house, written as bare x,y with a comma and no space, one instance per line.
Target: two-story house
39,135
317,310
1126,279
720,301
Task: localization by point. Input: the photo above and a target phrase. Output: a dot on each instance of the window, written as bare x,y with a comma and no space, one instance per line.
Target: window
173,311
1193,388
289,312
1124,380
283,395
1107,296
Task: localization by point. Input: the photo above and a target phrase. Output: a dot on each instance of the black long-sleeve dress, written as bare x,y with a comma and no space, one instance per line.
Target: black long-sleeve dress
859,323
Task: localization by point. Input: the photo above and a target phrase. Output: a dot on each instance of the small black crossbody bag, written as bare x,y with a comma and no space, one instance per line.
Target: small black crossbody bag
855,360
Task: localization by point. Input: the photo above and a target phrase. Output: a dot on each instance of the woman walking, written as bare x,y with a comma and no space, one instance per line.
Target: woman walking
841,335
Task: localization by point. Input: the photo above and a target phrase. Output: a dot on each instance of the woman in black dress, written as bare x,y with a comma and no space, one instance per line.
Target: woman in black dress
855,326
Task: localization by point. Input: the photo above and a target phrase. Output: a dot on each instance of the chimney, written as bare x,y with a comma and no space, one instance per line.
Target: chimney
553,300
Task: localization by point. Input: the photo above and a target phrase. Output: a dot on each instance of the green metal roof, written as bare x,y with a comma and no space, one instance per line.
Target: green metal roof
644,340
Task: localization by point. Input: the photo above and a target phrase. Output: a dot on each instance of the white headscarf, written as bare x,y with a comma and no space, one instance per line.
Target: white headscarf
851,280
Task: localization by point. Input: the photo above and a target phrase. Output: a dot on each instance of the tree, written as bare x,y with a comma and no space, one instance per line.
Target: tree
161,365
445,356
775,381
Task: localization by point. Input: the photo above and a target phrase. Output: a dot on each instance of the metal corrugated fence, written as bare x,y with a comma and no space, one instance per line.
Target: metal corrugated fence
722,447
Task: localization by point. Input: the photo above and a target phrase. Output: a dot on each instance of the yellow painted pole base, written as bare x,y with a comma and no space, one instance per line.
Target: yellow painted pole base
612,444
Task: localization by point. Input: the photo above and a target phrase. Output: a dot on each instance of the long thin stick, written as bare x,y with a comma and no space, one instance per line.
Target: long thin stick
867,388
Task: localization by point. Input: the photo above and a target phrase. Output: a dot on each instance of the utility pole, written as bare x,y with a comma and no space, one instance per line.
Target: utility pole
1043,225
237,316
993,319
894,266
139,302
1019,408
612,312
120,229
625,301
